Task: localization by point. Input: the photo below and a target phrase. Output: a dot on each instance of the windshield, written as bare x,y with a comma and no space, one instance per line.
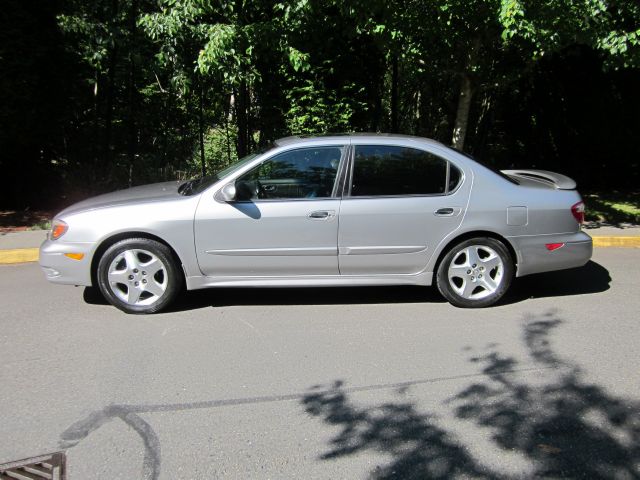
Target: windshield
199,185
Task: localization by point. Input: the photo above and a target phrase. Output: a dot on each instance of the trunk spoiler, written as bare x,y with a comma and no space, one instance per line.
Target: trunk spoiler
555,180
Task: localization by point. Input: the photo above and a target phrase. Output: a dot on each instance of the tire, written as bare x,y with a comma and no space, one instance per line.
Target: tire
475,273
139,275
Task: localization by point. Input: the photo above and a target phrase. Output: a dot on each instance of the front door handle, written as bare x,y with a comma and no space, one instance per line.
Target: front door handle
321,214
444,212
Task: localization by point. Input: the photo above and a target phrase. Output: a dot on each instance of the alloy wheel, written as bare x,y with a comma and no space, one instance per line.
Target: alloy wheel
475,272
138,277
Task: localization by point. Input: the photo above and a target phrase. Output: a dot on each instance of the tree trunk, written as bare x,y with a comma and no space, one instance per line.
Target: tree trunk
108,116
96,124
110,88
227,108
241,119
241,93
377,110
482,125
201,127
132,134
416,115
461,125
462,115
250,143
394,93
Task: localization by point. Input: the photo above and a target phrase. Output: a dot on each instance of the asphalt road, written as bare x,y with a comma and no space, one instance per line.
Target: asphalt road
329,383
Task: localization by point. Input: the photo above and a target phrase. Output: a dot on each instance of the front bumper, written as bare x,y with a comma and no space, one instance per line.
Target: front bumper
533,256
61,269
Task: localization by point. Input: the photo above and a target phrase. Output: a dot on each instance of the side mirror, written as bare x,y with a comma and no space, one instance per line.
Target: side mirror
228,193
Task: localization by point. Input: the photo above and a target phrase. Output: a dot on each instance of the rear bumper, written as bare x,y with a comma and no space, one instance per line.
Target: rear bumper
59,268
533,256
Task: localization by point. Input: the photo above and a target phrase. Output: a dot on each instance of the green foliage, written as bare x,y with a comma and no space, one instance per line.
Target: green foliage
550,25
613,207
219,147
94,30
299,61
120,92
41,225
316,110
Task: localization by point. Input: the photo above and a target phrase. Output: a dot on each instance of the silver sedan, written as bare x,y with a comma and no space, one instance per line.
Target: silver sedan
326,211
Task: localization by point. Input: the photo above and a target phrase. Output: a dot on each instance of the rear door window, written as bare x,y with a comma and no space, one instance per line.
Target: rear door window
380,170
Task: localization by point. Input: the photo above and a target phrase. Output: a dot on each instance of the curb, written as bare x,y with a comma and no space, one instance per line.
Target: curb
623,242
19,255
25,255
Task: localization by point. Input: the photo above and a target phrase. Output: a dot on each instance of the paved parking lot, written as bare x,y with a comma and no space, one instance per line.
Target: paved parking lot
328,383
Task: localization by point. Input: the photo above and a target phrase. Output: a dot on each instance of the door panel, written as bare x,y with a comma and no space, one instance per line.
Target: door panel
393,235
398,209
283,222
267,238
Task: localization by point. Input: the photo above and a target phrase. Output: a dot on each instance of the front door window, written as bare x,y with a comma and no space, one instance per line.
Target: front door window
297,174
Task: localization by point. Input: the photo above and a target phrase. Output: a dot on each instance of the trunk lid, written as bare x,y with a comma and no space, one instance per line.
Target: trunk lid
542,177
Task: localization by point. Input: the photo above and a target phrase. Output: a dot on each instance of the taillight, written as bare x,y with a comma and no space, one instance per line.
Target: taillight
578,212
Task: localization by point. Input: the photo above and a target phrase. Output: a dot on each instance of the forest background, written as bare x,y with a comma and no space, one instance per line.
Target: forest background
105,94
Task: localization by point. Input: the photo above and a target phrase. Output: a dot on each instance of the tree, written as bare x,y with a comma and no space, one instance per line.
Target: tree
612,28
122,92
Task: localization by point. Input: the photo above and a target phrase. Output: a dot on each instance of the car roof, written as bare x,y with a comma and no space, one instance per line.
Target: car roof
340,137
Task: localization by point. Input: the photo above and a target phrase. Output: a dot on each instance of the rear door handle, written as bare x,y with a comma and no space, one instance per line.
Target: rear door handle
322,214
444,212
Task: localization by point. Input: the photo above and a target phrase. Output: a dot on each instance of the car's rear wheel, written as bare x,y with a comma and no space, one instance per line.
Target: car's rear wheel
475,273
139,275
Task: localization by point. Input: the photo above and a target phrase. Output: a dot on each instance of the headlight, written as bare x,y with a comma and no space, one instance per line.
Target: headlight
58,228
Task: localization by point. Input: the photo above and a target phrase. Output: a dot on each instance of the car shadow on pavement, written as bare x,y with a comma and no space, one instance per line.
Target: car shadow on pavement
558,424
592,278
224,297
221,297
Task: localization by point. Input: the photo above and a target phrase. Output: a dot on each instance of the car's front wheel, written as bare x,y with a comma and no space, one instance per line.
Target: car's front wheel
139,275
475,273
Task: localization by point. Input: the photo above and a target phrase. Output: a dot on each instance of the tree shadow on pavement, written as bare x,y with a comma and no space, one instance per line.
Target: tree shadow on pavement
560,424
419,447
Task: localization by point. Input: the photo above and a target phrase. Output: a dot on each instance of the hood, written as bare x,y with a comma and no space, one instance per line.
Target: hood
145,193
